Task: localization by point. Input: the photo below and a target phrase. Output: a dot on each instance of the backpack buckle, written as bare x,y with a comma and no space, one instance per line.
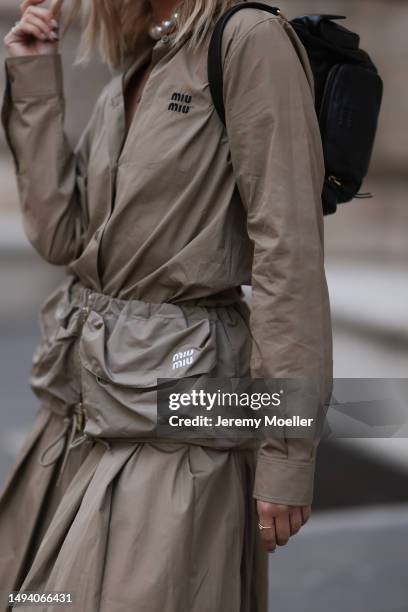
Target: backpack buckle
335,180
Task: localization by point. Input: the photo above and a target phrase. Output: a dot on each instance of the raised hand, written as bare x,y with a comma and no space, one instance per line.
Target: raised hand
37,31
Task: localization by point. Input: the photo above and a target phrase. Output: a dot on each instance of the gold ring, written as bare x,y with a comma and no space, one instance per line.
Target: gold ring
261,527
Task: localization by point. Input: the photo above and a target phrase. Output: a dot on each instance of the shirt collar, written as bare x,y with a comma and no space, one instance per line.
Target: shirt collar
146,48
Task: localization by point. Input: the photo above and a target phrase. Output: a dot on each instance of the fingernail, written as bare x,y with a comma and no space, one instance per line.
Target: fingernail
54,36
54,23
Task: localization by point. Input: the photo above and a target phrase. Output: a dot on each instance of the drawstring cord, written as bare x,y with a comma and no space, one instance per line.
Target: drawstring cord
61,436
72,425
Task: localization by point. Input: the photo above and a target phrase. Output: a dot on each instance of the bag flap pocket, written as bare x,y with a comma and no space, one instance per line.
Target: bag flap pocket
135,352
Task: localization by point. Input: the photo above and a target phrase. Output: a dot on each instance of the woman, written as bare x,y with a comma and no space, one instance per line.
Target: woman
160,215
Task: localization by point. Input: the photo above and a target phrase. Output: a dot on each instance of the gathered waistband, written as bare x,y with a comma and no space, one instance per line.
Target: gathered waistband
209,307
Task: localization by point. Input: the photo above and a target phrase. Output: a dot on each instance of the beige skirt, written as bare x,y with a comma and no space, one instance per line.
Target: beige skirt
158,527
124,522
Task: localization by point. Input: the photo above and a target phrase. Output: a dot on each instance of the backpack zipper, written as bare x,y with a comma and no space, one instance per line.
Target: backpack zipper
333,72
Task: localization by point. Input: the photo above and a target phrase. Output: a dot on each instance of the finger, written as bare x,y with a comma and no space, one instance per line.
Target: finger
295,520
268,536
43,26
24,28
282,528
44,15
306,512
266,518
26,3
9,39
40,12
40,24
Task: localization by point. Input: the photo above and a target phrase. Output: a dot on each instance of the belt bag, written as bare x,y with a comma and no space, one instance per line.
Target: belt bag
112,356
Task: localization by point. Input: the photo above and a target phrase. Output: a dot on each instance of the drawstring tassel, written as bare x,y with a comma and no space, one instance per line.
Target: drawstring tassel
68,447
72,424
61,436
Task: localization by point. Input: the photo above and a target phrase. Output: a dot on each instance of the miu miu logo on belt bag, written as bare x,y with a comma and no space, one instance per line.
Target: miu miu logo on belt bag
182,359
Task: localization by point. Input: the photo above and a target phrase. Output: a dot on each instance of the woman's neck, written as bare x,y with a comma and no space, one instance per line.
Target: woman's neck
163,9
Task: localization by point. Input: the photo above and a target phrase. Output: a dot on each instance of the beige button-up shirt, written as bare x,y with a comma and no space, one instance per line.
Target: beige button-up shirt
183,208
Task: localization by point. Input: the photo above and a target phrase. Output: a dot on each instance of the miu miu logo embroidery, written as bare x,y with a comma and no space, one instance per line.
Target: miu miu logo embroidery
182,359
180,102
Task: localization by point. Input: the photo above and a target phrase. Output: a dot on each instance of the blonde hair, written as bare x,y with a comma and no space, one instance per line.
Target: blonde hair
117,27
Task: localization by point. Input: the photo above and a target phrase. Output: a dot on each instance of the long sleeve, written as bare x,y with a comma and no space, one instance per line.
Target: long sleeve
278,162
50,175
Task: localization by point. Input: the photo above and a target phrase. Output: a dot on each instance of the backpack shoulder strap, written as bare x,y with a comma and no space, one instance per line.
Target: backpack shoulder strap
215,71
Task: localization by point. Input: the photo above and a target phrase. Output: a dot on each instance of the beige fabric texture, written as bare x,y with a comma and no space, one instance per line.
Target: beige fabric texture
129,521
178,215
150,526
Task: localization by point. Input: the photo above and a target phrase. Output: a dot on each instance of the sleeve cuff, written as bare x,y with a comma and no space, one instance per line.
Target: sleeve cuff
282,481
34,76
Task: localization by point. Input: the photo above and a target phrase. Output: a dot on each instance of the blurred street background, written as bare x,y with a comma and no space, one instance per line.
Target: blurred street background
353,555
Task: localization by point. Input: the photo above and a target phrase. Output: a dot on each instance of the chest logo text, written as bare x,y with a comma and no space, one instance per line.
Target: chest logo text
180,102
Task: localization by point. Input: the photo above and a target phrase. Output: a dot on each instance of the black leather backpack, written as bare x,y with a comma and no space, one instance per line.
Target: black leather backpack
348,95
